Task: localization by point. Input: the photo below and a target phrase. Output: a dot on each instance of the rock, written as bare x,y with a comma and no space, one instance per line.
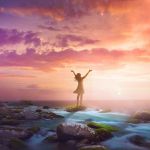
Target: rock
75,108
33,130
26,103
83,142
49,115
45,107
51,139
17,144
11,132
3,147
93,147
102,131
102,134
143,116
74,131
105,111
30,114
9,122
96,125
38,110
139,140
140,117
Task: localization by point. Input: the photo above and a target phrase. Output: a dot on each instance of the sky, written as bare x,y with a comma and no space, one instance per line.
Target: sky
41,41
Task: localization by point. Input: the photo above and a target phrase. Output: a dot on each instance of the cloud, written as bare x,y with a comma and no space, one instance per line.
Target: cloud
13,36
62,9
50,28
49,61
70,39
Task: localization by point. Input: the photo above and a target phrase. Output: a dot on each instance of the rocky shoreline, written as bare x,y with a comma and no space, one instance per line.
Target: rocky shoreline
87,135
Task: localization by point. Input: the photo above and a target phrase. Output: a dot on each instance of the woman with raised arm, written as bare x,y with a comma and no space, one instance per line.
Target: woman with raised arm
80,90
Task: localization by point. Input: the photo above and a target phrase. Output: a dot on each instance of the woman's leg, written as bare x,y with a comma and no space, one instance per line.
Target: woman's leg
78,96
81,98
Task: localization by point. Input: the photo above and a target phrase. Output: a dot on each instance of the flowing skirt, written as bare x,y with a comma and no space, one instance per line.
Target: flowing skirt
79,90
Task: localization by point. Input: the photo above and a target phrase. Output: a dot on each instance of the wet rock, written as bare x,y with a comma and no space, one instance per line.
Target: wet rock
17,144
45,107
33,130
143,116
93,147
51,139
83,142
140,117
11,132
102,134
3,147
105,111
9,122
30,114
96,125
74,131
75,108
102,131
139,140
38,110
49,115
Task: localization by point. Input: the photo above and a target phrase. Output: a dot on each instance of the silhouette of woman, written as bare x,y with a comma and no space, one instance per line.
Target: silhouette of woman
80,90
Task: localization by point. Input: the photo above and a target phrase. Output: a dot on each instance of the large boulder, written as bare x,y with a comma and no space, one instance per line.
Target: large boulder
140,117
69,131
139,141
143,116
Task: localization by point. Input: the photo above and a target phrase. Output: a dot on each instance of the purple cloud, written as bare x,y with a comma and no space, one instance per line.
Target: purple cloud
50,28
13,36
64,40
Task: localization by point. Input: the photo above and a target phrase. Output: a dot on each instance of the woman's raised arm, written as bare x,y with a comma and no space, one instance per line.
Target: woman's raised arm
86,74
73,72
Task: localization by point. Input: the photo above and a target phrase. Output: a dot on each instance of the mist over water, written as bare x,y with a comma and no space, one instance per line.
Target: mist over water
126,106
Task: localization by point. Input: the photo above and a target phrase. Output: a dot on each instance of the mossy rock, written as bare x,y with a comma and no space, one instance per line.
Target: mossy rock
17,144
75,108
105,111
93,147
102,134
102,126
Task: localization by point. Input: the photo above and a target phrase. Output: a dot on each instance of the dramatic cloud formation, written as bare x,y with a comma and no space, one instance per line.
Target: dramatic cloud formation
64,40
14,37
42,40
51,60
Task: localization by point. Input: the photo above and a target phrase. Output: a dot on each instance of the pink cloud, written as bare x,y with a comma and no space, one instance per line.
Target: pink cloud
64,40
51,60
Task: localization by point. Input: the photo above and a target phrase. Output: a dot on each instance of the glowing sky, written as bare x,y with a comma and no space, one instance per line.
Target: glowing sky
42,40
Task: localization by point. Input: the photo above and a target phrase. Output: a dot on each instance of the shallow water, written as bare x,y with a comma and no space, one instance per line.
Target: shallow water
118,142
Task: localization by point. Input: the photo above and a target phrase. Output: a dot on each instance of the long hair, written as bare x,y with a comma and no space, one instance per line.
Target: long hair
78,77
